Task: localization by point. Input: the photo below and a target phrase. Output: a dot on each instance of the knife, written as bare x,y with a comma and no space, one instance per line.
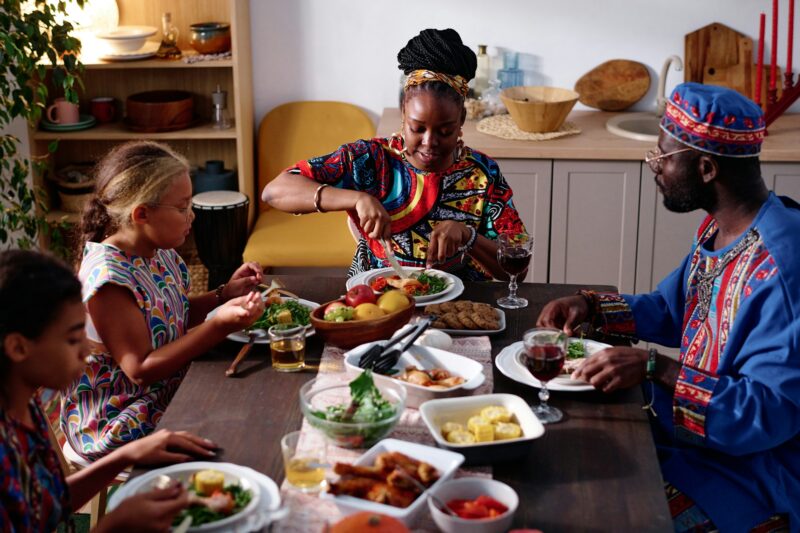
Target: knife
392,259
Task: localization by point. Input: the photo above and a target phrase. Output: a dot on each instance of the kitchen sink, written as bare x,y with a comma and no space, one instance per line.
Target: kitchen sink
636,126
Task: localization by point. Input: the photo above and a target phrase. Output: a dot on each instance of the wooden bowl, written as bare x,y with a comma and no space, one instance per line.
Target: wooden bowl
154,111
354,332
537,109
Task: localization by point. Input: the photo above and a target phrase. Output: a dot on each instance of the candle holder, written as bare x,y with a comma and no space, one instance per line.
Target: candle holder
778,106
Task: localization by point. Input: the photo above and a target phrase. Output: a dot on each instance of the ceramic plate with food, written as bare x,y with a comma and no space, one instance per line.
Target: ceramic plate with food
289,310
423,284
465,317
510,364
577,351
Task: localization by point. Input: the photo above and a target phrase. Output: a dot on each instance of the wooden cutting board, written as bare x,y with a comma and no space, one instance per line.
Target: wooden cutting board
614,85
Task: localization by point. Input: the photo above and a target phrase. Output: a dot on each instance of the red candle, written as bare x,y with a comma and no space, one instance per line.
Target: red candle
789,46
773,68
760,62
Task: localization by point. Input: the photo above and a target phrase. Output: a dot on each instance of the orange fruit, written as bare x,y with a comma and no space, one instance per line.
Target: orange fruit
366,521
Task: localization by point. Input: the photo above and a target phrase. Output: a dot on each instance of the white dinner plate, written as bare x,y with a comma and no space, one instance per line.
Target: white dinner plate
501,326
451,293
241,336
259,513
509,364
149,49
591,347
386,272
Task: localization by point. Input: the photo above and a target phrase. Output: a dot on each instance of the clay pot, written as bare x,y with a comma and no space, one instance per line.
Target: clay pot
210,37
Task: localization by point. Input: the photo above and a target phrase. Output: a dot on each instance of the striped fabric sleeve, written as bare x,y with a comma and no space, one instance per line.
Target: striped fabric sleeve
693,392
612,315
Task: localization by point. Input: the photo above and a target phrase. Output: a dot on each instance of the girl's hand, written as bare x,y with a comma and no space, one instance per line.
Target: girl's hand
166,446
446,238
240,312
243,281
149,512
373,218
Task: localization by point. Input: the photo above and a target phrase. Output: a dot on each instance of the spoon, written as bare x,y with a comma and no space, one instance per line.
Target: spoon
423,489
252,336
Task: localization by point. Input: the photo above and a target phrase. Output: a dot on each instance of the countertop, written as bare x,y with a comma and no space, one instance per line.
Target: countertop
595,142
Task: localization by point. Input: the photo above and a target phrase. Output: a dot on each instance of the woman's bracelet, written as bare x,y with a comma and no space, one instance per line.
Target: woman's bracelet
218,294
318,197
473,235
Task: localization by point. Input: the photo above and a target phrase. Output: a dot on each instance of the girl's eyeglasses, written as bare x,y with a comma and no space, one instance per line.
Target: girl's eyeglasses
185,211
655,159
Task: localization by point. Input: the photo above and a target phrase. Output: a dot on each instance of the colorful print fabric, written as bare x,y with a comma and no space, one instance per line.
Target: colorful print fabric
33,491
471,191
103,409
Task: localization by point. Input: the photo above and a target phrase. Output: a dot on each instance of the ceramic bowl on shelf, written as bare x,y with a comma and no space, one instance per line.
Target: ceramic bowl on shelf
538,109
124,39
210,37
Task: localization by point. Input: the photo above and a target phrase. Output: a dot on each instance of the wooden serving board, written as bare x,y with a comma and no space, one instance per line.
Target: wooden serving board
614,85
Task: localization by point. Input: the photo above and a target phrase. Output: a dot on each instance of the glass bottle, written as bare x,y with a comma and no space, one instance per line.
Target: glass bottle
219,114
510,75
482,72
169,39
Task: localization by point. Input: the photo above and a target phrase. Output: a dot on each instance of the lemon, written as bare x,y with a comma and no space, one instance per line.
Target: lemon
367,311
206,482
392,301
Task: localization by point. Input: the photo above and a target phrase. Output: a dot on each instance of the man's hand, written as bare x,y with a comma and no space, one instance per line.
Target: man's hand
614,368
564,313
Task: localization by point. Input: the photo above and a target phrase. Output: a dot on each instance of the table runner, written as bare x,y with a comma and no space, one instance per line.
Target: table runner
309,513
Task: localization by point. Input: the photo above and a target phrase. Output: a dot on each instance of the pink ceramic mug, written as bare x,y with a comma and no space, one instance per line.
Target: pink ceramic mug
63,112
103,109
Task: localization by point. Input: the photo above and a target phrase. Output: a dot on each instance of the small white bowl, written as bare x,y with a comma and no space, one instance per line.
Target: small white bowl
126,38
469,488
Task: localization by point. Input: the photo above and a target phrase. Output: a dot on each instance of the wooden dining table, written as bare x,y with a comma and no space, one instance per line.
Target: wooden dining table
596,470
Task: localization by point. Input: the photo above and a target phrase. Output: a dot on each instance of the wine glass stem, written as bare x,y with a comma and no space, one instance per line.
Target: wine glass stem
544,395
512,287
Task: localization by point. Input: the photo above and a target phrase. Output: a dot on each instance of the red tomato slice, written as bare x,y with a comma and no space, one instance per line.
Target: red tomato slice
491,504
378,284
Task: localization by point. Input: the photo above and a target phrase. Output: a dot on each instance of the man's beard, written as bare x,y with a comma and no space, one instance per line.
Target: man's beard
690,194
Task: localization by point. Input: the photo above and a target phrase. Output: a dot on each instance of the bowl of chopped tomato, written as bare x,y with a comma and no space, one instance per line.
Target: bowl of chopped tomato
482,505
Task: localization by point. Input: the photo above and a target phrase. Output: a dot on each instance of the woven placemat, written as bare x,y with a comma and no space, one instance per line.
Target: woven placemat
503,126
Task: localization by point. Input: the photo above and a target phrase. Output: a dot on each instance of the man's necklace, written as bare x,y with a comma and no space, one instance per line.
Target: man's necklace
705,279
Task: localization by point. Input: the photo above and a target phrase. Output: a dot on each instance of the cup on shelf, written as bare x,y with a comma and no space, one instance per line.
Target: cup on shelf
102,108
304,460
63,112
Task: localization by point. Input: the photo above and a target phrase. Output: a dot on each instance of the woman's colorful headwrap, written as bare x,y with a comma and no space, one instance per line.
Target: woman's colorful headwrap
713,119
418,77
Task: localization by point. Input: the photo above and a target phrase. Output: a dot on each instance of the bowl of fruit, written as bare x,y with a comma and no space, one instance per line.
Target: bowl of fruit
362,316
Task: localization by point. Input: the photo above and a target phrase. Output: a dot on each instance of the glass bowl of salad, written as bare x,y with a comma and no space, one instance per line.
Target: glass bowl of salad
356,414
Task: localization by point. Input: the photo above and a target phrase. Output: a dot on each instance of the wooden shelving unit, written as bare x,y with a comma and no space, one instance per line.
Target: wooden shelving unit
119,79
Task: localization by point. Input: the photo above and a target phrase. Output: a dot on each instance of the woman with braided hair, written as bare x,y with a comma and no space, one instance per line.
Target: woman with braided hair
435,200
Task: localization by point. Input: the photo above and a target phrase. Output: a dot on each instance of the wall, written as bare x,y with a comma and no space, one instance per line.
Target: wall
346,49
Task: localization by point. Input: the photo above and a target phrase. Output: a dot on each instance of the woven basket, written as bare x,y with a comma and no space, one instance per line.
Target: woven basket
73,196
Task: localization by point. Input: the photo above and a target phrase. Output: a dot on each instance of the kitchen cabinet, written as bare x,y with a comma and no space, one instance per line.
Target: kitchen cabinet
120,79
783,178
593,222
531,181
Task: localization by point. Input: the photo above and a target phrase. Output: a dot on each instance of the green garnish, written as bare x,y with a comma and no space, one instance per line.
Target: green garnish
575,350
203,515
436,284
299,315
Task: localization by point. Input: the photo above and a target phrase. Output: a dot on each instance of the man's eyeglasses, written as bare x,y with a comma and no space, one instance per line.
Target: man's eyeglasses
655,159
185,211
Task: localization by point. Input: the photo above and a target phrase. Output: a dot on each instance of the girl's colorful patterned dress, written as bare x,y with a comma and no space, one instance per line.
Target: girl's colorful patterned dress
33,491
471,191
103,409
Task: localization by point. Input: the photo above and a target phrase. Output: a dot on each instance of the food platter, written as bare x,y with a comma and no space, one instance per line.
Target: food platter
242,336
509,364
501,319
262,509
453,289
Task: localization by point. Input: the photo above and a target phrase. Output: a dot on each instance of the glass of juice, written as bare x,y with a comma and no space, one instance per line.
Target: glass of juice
287,343
304,456
514,256
543,356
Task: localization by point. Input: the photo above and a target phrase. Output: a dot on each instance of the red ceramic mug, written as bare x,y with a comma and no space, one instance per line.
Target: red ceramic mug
103,109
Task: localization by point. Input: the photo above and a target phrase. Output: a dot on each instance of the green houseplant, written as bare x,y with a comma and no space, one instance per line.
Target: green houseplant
32,34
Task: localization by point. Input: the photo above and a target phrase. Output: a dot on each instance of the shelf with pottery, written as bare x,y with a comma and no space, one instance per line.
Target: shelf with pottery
94,63
117,131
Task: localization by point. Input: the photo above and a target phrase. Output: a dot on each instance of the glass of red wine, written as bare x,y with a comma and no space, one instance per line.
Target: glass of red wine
514,256
543,356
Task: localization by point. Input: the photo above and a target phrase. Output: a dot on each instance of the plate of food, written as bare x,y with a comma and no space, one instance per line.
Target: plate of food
425,285
398,466
425,372
577,351
285,311
223,496
465,317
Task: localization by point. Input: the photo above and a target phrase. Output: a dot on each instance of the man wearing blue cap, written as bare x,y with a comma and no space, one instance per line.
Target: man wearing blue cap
726,414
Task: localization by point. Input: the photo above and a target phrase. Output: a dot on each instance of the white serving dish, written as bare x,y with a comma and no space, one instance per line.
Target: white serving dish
451,293
445,461
469,488
424,358
388,272
436,412
262,509
126,38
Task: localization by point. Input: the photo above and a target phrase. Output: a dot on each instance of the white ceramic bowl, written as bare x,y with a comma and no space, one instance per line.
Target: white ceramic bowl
445,461
126,38
469,488
436,412
425,358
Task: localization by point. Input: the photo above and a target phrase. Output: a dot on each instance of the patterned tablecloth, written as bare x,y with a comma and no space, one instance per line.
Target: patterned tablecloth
309,513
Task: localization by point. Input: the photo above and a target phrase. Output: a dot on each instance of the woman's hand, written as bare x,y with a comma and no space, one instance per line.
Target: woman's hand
166,446
240,312
564,313
446,238
149,512
614,368
373,218
243,281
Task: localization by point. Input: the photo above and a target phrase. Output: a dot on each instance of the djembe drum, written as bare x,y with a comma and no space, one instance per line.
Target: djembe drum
220,232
